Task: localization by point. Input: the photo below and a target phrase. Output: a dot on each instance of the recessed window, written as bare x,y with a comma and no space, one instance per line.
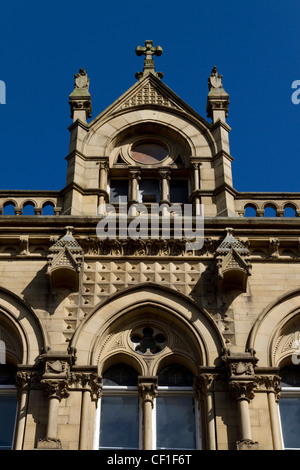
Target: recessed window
289,406
149,152
8,405
148,341
118,189
119,409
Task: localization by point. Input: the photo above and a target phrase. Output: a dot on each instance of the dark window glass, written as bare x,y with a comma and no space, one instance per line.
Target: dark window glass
175,376
179,191
149,190
118,188
7,374
120,374
119,422
175,422
8,407
290,421
290,376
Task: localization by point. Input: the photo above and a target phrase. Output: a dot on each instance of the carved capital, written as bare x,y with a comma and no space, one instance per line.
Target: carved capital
148,389
241,390
86,381
55,388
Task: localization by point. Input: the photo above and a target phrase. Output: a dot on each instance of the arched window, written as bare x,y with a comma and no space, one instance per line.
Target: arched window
289,406
176,420
119,409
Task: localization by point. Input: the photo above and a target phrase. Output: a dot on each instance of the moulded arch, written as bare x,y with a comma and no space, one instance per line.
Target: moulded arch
22,317
164,302
123,358
104,131
267,327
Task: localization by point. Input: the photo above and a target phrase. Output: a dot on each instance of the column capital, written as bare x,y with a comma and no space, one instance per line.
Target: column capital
148,388
55,388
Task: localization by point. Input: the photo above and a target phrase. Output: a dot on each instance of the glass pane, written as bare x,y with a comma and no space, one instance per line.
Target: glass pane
120,374
179,191
118,188
175,423
290,421
8,407
290,376
119,422
176,376
149,190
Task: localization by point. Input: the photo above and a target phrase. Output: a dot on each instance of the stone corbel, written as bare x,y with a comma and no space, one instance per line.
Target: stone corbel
65,262
233,263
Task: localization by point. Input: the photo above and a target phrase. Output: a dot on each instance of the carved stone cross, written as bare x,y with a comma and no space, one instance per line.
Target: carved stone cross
148,51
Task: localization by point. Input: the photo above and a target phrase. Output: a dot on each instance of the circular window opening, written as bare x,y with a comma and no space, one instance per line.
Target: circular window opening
148,341
149,152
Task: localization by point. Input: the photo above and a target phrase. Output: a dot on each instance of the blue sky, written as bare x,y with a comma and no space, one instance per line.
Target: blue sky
255,45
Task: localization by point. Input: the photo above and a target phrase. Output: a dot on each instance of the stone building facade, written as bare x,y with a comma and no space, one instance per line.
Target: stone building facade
123,327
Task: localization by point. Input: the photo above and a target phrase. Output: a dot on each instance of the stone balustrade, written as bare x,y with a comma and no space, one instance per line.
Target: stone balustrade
267,204
30,202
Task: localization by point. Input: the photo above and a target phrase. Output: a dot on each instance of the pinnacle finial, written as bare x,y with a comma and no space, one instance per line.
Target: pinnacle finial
148,51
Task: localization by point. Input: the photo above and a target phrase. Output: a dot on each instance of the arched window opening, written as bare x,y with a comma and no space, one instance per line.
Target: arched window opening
48,208
270,211
250,211
28,209
289,211
289,406
9,209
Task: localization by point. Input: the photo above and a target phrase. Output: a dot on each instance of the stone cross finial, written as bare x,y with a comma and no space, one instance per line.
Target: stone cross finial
148,51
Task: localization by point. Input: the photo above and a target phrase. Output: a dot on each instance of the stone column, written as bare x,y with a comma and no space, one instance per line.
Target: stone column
164,175
24,381
103,196
55,390
204,393
196,186
148,392
134,178
91,392
55,384
270,384
241,385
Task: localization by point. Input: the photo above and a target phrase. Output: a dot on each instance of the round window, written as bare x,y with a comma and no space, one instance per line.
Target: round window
149,152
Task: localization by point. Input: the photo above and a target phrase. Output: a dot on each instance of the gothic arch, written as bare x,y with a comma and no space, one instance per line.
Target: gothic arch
191,334
275,329
22,323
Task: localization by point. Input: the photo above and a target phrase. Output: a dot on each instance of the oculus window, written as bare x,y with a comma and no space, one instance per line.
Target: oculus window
149,153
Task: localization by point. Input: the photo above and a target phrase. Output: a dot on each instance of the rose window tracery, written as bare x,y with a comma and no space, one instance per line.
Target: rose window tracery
148,341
